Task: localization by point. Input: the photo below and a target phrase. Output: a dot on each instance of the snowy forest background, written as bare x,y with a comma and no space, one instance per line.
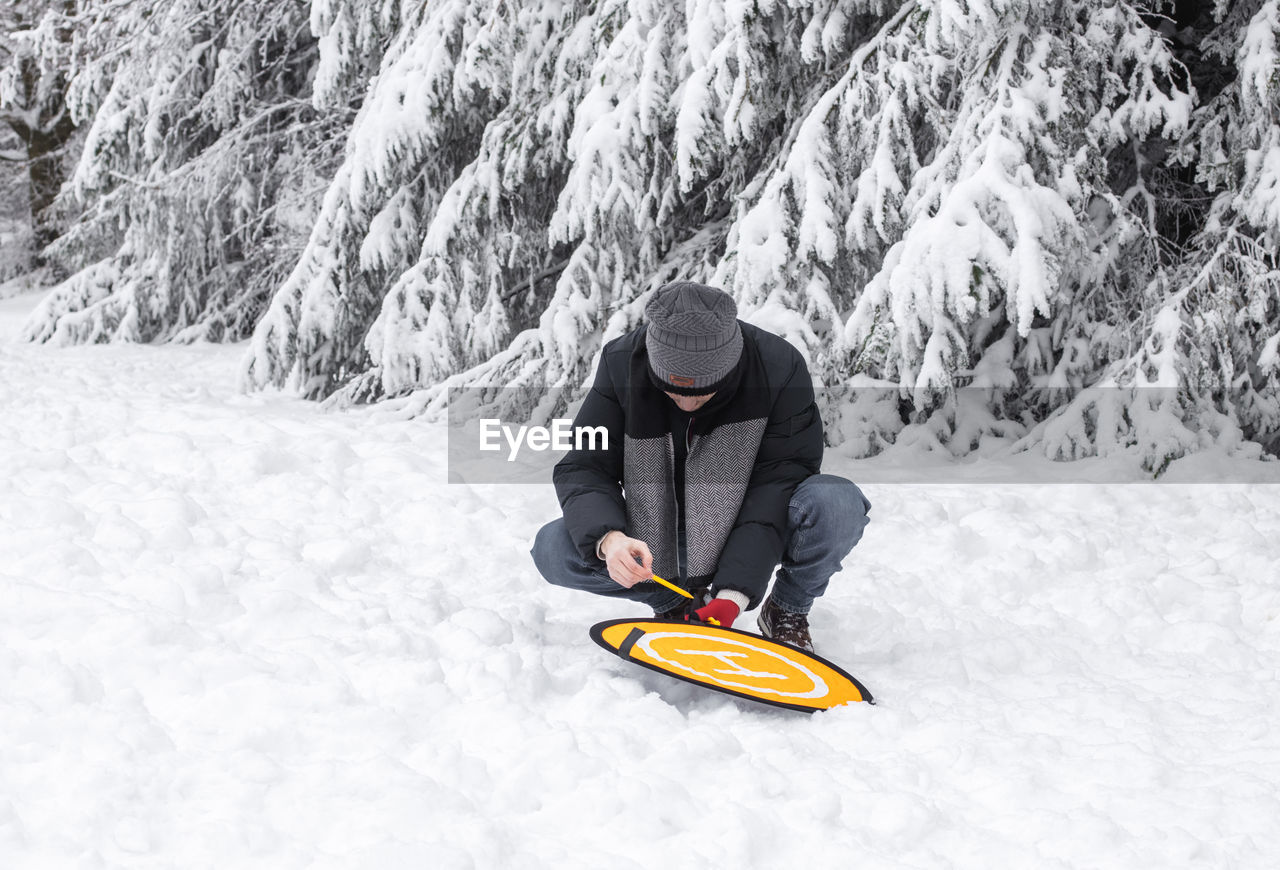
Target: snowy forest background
1053,225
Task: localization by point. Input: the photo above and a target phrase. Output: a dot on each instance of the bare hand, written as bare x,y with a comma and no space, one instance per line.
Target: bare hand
620,555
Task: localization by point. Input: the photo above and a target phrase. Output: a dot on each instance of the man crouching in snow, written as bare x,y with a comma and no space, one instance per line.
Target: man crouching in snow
711,474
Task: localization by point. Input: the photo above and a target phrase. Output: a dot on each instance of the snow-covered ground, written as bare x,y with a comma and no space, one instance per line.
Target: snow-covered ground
238,631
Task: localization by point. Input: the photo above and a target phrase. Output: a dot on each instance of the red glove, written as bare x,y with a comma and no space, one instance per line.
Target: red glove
721,610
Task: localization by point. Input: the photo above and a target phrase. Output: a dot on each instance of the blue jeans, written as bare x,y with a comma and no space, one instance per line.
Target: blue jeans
825,520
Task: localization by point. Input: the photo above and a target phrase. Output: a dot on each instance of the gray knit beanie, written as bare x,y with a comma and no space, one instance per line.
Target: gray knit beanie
693,338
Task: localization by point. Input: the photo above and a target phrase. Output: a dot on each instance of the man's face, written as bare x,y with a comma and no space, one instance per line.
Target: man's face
689,403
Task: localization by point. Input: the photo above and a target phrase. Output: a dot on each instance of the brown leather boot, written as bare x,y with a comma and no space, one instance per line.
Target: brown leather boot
785,626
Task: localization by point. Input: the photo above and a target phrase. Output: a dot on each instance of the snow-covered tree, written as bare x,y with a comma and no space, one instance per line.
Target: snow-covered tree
1228,283
199,172
1013,257
1191,355
417,128
353,36
16,240
1066,207
35,55
542,134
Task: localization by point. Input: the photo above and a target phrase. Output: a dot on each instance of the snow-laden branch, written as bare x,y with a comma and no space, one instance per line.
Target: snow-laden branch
1027,198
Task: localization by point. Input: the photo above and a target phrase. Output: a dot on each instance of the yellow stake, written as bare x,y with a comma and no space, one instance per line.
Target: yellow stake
671,586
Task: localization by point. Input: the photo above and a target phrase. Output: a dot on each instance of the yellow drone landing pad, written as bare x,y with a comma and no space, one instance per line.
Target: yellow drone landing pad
732,661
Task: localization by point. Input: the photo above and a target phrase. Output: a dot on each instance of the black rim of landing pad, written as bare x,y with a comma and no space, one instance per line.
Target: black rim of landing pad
624,652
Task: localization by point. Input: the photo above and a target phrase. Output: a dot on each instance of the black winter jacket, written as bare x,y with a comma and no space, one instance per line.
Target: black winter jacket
748,449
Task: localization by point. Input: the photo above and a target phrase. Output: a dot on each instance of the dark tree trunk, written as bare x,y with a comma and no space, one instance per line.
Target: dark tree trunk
44,141
45,176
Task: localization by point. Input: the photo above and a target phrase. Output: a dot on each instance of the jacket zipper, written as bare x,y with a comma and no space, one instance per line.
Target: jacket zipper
675,531
688,448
